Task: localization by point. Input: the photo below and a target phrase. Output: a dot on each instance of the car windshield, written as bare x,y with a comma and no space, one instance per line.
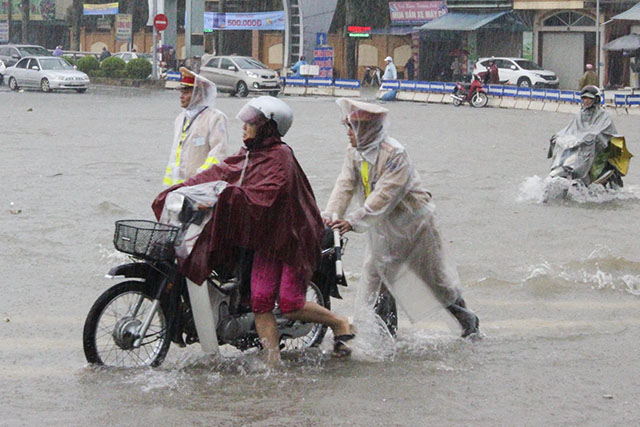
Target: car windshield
55,64
250,64
528,65
33,50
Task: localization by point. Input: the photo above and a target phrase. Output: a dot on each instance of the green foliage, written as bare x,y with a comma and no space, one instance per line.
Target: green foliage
113,66
88,63
70,60
96,73
138,68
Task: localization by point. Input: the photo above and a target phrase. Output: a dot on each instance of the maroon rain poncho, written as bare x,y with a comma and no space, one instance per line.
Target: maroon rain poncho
272,211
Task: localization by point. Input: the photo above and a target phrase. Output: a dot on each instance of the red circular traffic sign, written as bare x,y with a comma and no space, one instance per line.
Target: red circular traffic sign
160,22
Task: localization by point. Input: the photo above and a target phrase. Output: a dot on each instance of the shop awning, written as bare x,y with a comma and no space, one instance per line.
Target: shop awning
461,21
628,42
632,14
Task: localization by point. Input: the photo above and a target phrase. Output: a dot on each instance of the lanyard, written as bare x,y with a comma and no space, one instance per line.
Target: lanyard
186,125
364,173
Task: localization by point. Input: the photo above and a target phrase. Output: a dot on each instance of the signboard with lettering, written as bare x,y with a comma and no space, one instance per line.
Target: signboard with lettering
39,10
4,32
243,21
416,12
323,58
124,23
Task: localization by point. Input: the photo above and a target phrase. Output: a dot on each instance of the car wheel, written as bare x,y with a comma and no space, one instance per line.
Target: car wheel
44,85
13,84
242,89
82,90
524,82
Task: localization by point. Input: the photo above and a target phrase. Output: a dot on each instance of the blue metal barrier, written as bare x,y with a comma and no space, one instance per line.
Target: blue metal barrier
407,85
347,83
495,90
567,95
538,94
523,92
319,81
633,100
511,91
423,86
390,85
296,81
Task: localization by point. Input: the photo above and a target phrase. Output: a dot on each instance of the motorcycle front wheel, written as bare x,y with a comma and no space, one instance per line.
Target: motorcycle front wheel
316,333
479,100
110,329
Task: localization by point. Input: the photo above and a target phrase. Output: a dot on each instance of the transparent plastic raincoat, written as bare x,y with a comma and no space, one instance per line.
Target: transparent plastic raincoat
200,135
577,145
405,250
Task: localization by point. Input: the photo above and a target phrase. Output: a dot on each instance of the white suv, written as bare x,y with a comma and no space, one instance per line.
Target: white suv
519,71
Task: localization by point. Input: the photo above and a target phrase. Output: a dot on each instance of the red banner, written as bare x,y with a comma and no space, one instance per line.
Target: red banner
416,12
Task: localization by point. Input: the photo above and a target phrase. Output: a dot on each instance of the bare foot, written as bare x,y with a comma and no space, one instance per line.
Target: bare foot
345,327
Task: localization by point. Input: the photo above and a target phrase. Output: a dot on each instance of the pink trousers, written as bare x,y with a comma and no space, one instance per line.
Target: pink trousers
271,279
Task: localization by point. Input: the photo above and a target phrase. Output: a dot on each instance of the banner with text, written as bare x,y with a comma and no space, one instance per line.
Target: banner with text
416,12
124,22
323,58
214,21
100,9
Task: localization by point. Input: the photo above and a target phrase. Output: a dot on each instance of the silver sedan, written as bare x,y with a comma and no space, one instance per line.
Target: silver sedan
47,73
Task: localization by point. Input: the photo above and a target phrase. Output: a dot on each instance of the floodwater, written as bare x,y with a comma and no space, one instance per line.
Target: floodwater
556,285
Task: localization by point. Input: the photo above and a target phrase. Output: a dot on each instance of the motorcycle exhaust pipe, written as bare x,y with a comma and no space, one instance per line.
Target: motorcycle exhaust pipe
459,98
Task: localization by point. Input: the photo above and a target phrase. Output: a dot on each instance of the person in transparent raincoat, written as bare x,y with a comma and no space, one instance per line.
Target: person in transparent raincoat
405,250
200,131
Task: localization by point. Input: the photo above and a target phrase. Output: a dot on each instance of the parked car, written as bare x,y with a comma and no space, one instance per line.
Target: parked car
519,71
128,56
47,73
12,53
241,75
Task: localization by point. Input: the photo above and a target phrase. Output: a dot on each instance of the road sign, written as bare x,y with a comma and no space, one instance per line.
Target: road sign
321,39
160,22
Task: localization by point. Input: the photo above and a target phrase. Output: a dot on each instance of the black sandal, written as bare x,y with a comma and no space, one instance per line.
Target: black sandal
340,346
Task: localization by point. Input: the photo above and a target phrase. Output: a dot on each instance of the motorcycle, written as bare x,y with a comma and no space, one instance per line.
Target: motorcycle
134,322
372,77
576,163
474,93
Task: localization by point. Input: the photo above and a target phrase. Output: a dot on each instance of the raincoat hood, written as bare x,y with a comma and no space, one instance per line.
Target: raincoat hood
369,123
204,95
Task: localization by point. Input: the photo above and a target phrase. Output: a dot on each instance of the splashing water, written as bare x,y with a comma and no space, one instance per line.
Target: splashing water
599,269
538,190
373,341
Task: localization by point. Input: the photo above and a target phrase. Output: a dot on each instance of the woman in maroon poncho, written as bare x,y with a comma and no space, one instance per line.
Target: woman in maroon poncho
268,206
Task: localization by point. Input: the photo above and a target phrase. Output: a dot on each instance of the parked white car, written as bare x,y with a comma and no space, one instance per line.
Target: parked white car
519,71
47,73
128,56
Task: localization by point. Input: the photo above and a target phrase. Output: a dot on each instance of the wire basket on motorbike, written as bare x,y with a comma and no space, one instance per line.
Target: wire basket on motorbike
144,239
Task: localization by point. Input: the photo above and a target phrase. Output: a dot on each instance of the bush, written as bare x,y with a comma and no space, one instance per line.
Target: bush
113,66
138,68
70,60
88,63
96,73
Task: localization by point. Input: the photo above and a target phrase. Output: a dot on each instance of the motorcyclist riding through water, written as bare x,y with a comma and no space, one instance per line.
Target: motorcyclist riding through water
589,148
267,207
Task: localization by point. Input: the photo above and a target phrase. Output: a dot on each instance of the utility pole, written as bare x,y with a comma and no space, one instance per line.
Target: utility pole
598,67
351,44
220,50
154,68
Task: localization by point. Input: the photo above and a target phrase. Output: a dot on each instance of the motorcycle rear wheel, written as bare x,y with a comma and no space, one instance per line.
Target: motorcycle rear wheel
314,337
457,102
479,100
107,338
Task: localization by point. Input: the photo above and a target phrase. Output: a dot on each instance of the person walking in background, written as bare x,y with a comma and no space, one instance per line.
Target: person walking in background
57,51
494,76
410,68
589,78
456,69
296,67
200,137
105,54
390,72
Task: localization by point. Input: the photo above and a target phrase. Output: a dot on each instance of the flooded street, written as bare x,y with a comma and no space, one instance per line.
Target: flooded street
556,286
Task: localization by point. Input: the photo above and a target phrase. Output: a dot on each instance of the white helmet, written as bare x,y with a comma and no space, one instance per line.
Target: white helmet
388,59
263,108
